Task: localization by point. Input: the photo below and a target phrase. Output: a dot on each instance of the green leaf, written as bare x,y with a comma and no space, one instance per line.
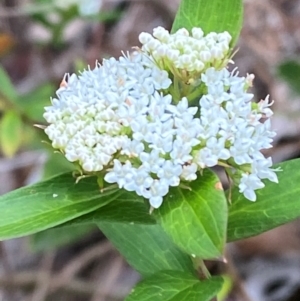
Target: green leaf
196,218
58,237
11,133
276,204
50,203
290,72
128,209
146,247
130,227
7,89
175,286
214,15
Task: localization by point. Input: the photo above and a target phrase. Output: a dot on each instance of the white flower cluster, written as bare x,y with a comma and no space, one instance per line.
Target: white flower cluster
233,131
90,117
120,119
193,53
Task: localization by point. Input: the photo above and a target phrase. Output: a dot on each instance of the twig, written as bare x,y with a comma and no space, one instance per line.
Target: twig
43,283
7,268
28,279
105,288
76,264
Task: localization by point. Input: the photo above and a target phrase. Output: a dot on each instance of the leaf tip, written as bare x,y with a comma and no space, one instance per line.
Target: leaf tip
219,186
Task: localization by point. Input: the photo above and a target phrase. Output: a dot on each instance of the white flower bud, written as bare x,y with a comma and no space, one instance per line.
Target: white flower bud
161,34
197,33
182,32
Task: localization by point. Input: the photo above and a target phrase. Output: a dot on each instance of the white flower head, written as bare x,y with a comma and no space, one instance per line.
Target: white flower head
132,120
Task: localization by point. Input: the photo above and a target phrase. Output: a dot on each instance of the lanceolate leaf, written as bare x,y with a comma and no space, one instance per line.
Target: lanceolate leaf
50,203
146,247
128,211
175,286
58,237
276,204
214,15
196,218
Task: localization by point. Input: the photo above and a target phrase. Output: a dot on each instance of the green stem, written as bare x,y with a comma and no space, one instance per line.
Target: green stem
204,270
200,266
176,90
195,94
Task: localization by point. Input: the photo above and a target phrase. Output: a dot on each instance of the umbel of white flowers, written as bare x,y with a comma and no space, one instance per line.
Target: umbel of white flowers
132,118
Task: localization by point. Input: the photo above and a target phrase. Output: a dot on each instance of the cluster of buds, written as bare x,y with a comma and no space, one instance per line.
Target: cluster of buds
123,119
185,55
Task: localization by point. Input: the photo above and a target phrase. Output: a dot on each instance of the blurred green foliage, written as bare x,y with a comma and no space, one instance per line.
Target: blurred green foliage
290,72
14,117
11,131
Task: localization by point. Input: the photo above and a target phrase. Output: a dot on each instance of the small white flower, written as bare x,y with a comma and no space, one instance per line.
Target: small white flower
263,107
161,144
122,174
249,183
181,151
152,161
189,172
143,182
170,172
158,190
142,129
133,148
212,76
261,168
